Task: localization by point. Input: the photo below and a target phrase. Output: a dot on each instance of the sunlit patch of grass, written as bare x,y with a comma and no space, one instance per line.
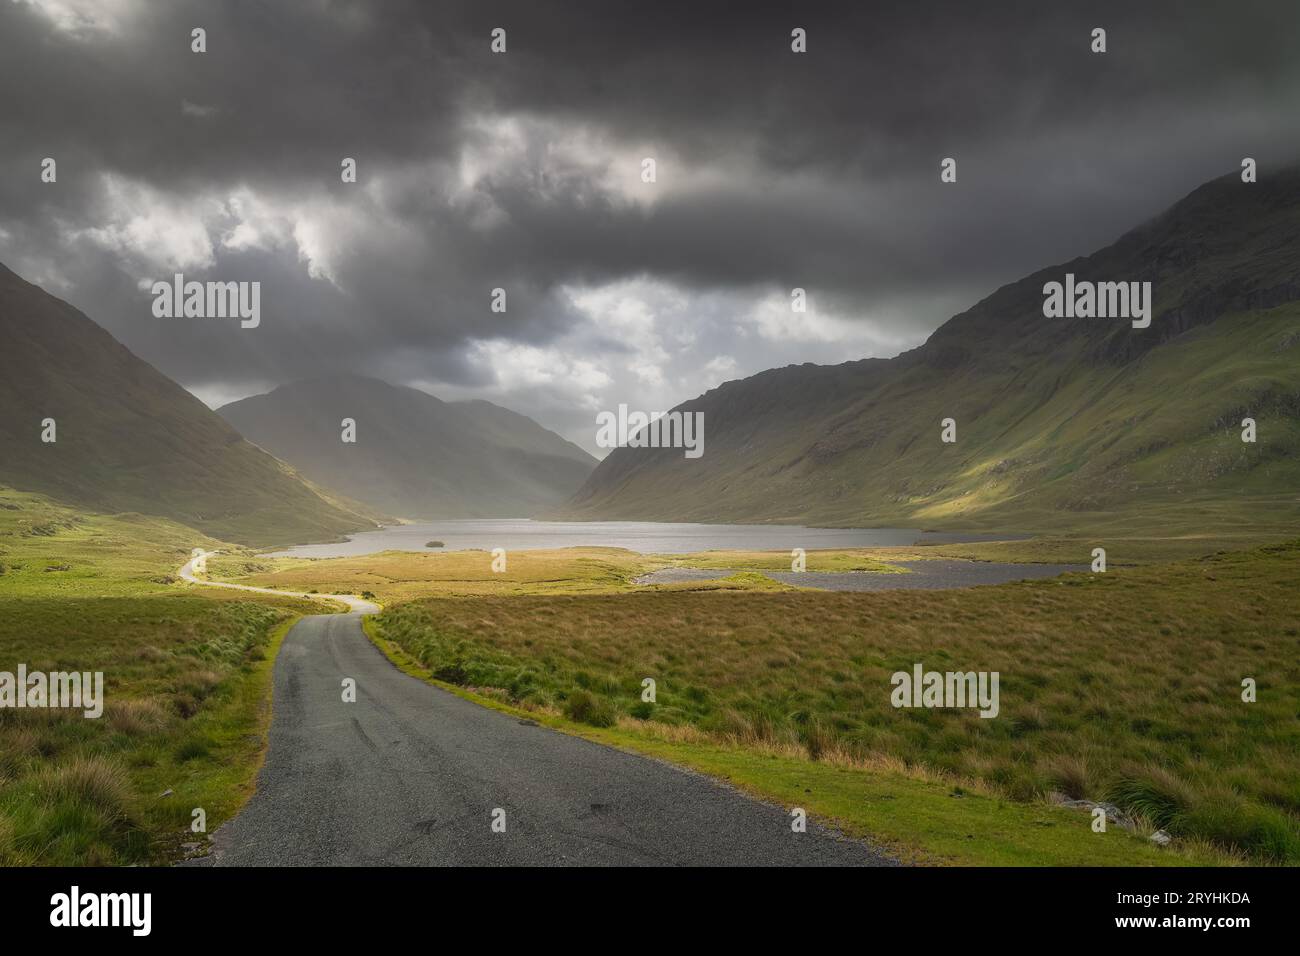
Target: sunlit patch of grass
404,575
105,555
829,561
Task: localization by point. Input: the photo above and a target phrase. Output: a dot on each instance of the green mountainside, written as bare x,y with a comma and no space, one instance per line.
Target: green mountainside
1061,423
128,439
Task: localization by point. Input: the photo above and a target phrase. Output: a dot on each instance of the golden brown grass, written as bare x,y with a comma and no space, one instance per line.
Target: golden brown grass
404,575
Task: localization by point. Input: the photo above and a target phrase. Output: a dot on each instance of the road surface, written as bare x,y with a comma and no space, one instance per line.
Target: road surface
411,775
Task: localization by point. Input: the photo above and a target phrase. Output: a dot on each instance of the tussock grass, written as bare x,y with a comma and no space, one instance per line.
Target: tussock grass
93,782
1123,687
185,717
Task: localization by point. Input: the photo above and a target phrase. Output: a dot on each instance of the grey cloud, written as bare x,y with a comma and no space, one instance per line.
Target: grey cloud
777,170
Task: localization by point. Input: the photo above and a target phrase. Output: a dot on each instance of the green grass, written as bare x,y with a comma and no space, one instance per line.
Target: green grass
917,818
48,549
1120,686
131,440
1050,441
1123,686
396,576
186,681
1123,549
187,678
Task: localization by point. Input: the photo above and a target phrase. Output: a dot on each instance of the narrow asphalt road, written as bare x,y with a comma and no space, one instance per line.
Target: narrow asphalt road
410,775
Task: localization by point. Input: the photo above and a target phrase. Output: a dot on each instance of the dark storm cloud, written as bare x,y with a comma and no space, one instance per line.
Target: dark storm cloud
521,171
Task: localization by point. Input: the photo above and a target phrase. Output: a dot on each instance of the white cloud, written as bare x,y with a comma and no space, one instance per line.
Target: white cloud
156,232
578,161
776,321
85,18
155,229
721,367
518,367
773,320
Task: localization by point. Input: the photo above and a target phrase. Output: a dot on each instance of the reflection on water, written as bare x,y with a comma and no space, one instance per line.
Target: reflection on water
648,537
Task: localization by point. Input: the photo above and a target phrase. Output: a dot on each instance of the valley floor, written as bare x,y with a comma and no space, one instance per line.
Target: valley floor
1124,687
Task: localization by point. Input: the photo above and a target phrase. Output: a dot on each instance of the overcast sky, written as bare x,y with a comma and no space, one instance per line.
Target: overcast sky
522,170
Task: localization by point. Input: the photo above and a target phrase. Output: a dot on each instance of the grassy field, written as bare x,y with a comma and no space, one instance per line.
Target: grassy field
918,817
840,561
1123,548
1124,686
396,576
49,550
402,575
186,678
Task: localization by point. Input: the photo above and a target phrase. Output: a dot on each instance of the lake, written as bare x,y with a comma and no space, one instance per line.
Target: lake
647,537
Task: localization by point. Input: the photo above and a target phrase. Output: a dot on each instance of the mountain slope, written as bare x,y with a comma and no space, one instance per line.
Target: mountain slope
1060,422
130,439
415,455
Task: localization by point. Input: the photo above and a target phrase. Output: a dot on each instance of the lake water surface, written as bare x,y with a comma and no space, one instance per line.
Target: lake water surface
647,537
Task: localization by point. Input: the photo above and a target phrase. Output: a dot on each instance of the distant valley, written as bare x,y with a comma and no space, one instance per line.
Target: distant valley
414,455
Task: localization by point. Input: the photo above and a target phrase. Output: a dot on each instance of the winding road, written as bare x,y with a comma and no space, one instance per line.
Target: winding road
411,775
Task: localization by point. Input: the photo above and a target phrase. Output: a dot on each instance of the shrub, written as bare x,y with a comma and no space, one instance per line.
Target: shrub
819,739
1229,821
453,673
583,708
89,781
198,683
135,717
1070,774
1151,793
